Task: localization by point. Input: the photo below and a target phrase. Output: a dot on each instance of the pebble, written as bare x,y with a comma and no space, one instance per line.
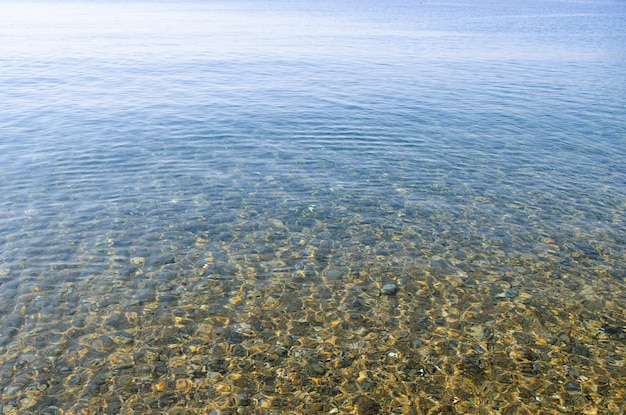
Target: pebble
317,369
389,288
508,294
334,274
242,400
125,380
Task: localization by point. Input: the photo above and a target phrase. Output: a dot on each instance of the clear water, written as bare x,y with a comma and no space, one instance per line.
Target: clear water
174,171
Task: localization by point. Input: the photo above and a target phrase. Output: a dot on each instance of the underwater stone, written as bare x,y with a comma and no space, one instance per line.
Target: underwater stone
367,406
389,288
317,369
508,294
125,380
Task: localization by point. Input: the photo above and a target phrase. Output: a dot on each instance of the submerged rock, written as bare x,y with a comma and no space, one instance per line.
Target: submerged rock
508,294
389,288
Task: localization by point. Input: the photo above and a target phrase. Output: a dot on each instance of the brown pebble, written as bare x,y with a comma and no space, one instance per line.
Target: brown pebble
366,406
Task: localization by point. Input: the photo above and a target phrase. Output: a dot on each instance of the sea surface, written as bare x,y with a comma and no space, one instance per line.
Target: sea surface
298,207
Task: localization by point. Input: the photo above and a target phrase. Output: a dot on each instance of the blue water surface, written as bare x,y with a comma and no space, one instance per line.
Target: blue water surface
489,134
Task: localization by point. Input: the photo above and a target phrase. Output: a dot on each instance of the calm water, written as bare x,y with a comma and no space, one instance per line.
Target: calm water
297,207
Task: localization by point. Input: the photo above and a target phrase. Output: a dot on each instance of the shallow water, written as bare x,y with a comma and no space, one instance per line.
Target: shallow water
251,207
